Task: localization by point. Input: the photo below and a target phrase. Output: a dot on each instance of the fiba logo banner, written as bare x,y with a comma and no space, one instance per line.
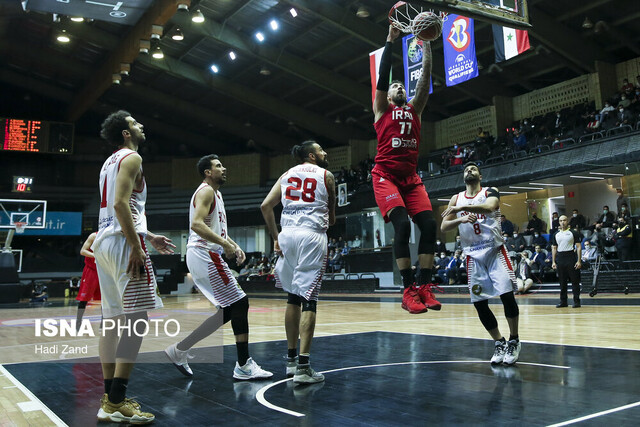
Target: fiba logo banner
412,60
460,62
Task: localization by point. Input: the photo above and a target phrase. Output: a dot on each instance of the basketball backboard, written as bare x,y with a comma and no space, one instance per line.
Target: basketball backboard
508,13
33,213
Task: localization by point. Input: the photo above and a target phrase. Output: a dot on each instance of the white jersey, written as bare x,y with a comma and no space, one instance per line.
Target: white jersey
486,233
305,199
108,224
216,220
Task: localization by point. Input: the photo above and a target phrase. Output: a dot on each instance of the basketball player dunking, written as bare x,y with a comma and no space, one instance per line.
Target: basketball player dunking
308,197
476,213
127,282
398,189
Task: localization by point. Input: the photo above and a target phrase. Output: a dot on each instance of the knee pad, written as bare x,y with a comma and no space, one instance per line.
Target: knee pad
486,315
427,225
294,299
402,232
511,309
309,305
238,314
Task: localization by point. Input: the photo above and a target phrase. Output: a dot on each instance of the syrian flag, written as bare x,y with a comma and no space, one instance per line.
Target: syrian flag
509,42
374,67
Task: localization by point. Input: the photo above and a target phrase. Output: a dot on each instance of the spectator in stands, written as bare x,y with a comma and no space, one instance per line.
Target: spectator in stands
357,243
589,254
535,224
457,157
519,242
605,220
441,266
593,124
555,223
458,245
332,243
519,140
577,222
539,240
557,143
622,199
507,226
482,135
623,237
340,243
624,116
558,126
538,265
635,101
637,82
523,274
453,270
624,211
626,88
440,246
345,249
39,293
606,111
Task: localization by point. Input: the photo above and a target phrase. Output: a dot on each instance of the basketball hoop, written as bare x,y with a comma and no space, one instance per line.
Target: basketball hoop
20,227
410,19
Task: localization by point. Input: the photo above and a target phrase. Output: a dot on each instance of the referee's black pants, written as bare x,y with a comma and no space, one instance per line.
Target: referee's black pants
565,263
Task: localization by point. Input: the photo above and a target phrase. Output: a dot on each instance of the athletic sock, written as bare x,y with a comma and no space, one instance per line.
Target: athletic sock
118,390
407,277
292,353
303,359
107,385
243,352
425,275
514,337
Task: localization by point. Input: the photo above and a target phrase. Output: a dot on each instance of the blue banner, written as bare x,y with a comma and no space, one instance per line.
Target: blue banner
412,59
458,40
58,224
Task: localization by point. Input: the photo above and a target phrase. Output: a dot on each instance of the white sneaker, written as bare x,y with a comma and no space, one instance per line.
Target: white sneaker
251,370
498,354
179,359
306,375
512,352
292,364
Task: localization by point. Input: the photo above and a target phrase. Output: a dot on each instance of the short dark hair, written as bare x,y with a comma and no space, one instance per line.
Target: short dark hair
205,163
301,152
575,210
113,126
605,206
471,164
397,81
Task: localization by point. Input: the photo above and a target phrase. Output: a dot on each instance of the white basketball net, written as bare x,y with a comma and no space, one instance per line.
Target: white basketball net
410,19
20,227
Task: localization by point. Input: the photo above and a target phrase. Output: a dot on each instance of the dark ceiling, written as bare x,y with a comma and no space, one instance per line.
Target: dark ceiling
318,86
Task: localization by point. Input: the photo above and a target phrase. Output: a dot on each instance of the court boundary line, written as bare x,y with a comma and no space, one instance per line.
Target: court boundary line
264,402
33,398
595,415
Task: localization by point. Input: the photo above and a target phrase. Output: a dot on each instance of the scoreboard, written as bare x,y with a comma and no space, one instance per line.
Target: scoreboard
36,136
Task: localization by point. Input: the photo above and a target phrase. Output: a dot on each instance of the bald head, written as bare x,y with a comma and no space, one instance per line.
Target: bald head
564,222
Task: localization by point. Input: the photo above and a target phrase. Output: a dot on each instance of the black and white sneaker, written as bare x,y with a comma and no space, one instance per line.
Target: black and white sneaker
179,359
512,353
499,352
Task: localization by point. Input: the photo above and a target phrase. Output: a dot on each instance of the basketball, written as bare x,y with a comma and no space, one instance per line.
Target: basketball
426,26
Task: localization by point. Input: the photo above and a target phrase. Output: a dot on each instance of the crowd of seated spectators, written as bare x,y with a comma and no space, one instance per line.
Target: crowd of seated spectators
258,268
356,176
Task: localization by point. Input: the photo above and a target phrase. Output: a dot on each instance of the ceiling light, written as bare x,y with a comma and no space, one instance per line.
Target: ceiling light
115,79
544,183
293,12
215,68
183,7
157,53
63,37
77,18
606,174
526,188
197,17
232,55
125,69
260,36
587,24
145,45
265,71
362,12
585,177
177,35
273,24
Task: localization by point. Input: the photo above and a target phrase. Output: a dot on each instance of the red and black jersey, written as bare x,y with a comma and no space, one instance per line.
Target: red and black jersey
398,133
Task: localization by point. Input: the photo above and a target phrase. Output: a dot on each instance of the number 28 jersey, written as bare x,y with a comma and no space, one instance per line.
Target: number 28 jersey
305,199
398,133
483,235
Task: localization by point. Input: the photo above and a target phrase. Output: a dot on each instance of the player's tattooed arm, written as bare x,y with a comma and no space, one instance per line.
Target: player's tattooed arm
331,189
422,87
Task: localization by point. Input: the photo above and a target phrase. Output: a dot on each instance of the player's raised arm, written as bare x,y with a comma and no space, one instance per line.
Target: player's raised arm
381,102
331,190
422,87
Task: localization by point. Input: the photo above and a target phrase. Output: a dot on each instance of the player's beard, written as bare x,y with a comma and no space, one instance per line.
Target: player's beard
323,163
471,179
399,100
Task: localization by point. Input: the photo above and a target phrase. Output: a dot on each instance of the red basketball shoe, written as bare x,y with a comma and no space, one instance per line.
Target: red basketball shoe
427,297
411,301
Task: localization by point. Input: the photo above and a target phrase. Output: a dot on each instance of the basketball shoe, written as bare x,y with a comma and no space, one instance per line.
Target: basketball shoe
127,411
306,375
411,301
512,352
427,297
292,364
179,359
105,398
250,371
499,352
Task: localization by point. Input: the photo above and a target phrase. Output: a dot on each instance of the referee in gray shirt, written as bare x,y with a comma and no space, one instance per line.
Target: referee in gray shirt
566,261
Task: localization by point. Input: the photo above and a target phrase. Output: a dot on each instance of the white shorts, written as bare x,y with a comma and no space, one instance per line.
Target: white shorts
120,294
299,271
490,275
213,277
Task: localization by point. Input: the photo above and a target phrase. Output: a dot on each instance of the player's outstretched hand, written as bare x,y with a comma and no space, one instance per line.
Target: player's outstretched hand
137,260
393,33
162,244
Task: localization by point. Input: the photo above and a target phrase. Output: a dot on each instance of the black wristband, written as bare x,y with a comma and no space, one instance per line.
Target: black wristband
385,68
